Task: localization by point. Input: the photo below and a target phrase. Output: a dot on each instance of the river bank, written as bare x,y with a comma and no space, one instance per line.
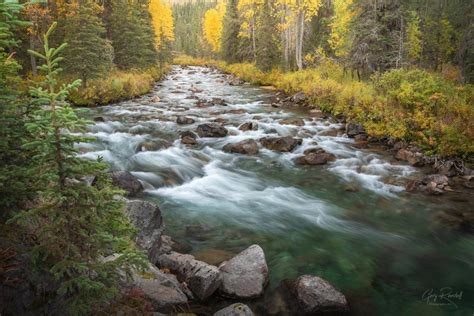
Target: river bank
119,85
420,108
349,221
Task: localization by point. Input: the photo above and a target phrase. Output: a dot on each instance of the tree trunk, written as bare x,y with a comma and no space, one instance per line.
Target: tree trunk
34,68
299,40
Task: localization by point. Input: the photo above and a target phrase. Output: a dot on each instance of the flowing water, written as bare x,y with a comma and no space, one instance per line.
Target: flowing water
349,221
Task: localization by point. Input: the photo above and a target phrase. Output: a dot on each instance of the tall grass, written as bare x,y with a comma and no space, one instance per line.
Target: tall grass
118,85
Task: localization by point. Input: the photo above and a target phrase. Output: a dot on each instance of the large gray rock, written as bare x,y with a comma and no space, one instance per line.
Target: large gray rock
237,309
246,147
211,130
162,289
146,217
201,278
283,144
315,296
353,129
127,181
245,275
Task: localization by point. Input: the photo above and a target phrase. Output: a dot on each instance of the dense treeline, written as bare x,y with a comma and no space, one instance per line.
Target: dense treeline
365,36
127,41
401,68
60,216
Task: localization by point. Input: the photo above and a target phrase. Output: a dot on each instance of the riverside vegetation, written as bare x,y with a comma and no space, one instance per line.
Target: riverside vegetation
413,105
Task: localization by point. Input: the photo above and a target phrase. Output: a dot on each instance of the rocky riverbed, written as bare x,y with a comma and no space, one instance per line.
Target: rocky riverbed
278,209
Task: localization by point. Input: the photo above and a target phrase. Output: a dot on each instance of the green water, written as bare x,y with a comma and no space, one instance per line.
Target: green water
349,222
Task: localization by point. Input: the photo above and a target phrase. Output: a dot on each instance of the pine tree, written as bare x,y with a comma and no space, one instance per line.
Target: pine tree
230,33
89,54
74,223
414,38
13,172
267,49
132,35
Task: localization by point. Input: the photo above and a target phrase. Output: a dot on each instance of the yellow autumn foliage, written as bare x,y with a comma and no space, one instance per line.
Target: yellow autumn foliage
162,21
212,26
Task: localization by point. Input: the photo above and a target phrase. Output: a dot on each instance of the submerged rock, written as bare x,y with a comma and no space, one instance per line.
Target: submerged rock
245,275
201,278
182,120
237,309
292,121
211,130
315,296
245,147
434,184
283,144
127,181
146,217
169,244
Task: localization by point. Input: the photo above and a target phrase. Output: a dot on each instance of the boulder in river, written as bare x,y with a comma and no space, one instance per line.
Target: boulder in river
283,144
248,126
434,184
292,121
237,309
201,278
182,120
154,145
211,130
217,101
315,157
188,138
146,217
127,181
245,147
353,129
414,159
315,296
245,275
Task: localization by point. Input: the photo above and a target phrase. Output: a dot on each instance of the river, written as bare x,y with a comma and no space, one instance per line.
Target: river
349,221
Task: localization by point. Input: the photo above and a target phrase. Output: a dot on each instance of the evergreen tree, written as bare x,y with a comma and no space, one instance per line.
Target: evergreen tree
132,34
74,223
88,54
267,49
230,33
13,172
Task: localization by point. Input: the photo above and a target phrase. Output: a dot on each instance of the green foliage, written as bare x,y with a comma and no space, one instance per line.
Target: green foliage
88,55
230,33
74,224
188,18
267,49
132,35
414,37
13,182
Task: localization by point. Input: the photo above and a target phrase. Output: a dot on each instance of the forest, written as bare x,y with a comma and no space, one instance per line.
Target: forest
236,157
